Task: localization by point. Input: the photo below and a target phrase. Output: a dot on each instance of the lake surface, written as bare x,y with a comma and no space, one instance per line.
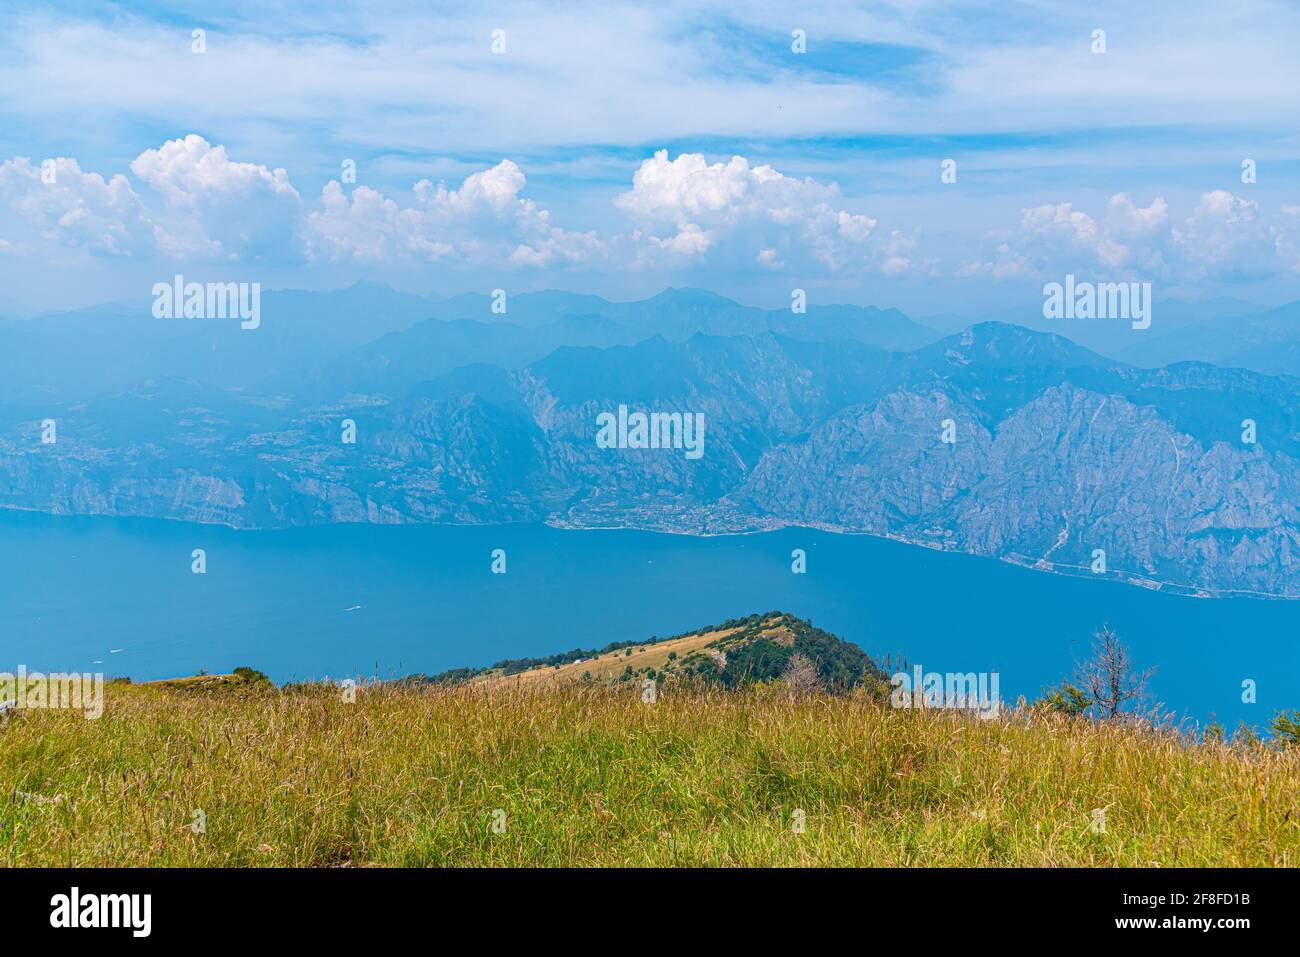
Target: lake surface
118,596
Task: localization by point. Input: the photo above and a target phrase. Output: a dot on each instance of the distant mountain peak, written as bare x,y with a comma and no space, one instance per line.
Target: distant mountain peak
1002,343
691,294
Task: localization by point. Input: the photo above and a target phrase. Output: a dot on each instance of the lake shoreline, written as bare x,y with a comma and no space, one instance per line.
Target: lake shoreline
94,593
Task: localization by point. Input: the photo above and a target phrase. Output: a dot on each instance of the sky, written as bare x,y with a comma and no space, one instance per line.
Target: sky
937,157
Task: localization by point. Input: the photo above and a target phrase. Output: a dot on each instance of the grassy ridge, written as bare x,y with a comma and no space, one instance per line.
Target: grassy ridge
591,775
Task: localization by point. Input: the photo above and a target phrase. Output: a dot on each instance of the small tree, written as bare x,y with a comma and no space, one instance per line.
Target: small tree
1066,699
800,674
1109,679
1286,728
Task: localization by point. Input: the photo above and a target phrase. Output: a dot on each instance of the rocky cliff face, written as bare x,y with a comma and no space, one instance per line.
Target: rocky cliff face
1056,453
1070,472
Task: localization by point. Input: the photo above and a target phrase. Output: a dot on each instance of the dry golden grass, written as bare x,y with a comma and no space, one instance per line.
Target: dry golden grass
590,775
611,664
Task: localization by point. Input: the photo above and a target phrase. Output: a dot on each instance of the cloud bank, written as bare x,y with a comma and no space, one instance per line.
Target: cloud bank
188,201
1225,238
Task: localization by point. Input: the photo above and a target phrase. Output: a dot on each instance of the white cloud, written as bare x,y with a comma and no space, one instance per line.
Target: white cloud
75,208
484,222
689,210
902,256
209,207
217,208
190,170
196,203
1224,238
206,207
368,229
417,74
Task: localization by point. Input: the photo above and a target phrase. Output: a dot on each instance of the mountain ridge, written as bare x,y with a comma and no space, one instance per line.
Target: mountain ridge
1055,451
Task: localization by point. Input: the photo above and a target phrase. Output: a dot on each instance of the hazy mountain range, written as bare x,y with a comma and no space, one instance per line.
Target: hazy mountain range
834,418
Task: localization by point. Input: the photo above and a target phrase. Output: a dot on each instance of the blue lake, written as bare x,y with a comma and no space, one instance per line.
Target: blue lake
118,596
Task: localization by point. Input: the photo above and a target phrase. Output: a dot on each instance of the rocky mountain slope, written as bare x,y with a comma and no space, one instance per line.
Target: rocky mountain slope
996,441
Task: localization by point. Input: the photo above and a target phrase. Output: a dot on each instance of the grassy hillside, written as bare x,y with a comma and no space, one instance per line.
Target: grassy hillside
587,773
743,651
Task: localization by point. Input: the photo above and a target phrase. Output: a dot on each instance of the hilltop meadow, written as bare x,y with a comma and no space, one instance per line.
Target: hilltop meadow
233,771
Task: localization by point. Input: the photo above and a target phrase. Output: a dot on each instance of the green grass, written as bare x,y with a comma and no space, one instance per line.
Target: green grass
590,775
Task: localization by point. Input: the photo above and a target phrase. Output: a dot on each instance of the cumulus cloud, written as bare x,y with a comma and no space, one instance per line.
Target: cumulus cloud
683,212
1224,238
217,208
70,207
206,206
484,221
192,202
688,210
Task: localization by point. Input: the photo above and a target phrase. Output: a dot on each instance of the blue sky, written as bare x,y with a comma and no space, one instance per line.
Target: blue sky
620,148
